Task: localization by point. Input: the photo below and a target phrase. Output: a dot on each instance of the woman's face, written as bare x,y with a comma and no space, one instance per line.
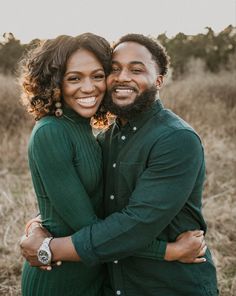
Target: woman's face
84,83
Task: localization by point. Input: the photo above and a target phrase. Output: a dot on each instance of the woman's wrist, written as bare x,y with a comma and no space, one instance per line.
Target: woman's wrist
172,252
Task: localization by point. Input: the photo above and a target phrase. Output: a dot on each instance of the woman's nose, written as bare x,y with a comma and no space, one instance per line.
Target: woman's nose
87,86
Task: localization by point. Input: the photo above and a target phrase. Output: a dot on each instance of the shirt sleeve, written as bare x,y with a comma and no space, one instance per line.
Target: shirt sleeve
160,193
52,153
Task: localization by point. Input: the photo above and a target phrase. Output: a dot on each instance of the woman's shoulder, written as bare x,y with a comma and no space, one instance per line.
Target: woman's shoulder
49,127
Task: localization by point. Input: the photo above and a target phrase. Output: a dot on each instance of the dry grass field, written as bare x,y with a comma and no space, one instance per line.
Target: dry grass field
206,101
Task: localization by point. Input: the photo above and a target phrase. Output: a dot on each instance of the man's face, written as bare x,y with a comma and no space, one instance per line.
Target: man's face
133,72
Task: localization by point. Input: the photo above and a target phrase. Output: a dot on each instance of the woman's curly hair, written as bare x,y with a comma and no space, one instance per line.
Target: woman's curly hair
43,68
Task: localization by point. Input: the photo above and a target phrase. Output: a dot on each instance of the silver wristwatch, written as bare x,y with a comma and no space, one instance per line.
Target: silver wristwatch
44,253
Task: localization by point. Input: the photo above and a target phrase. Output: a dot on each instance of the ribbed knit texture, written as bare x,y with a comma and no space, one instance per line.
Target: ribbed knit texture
66,167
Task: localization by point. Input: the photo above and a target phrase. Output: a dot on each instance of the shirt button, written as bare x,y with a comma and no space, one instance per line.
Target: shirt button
118,292
116,261
134,128
114,165
112,197
123,138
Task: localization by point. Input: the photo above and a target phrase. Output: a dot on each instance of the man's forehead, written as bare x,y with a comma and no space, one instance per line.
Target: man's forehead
131,51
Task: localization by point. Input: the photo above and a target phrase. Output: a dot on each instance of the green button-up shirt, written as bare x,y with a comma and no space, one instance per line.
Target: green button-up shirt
154,173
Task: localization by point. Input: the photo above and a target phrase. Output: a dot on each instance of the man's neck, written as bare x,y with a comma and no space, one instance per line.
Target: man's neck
123,121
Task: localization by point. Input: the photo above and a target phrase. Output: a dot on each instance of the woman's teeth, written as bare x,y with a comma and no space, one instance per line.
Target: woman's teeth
87,102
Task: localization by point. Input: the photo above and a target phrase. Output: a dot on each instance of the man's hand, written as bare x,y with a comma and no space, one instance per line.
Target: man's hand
30,245
189,247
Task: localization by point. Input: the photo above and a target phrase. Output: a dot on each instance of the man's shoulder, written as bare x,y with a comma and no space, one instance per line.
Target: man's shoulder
168,129
168,121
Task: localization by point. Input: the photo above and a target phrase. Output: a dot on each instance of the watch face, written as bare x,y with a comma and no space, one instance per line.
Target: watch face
43,256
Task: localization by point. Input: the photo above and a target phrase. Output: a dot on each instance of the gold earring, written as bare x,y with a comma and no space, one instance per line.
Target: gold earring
58,111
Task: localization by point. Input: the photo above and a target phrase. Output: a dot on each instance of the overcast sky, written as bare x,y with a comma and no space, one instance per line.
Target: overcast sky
29,19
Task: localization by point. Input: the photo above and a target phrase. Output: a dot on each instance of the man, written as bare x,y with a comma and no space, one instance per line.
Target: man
154,174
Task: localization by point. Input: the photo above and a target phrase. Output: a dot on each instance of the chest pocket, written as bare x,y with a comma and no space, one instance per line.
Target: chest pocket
128,172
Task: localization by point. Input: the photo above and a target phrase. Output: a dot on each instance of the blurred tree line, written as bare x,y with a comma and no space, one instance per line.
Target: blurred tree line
217,51
11,51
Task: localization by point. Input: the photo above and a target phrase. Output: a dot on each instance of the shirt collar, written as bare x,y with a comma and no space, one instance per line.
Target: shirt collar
139,120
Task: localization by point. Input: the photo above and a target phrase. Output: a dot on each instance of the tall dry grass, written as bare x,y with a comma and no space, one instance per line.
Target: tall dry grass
208,102
16,194
205,100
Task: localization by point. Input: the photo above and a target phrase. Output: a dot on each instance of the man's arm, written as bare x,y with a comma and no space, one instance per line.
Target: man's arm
141,213
189,247
161,192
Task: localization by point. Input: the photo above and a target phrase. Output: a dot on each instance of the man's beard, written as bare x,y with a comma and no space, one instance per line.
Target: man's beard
141,103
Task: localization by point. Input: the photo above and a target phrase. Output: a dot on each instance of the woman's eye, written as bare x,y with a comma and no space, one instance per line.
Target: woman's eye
73,78
99,76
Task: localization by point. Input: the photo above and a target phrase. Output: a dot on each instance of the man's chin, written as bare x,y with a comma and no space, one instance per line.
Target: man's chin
123,102
129,108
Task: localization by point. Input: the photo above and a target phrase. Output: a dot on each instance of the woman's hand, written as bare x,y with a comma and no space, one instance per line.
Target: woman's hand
31,224
189,247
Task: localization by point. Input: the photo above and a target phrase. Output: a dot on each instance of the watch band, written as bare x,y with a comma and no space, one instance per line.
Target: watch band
47,240
44,253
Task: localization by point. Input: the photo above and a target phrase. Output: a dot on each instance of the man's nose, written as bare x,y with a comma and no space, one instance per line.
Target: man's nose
123,76
87,86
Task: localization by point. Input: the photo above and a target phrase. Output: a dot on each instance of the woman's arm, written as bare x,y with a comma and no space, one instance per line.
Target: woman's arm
51,151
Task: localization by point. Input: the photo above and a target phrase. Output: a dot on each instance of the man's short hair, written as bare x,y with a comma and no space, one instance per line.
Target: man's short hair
157,51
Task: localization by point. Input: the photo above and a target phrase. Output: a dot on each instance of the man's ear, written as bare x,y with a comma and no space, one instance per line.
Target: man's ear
159,81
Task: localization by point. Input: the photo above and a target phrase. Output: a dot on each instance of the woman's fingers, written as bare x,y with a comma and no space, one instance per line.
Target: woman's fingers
202,251
50,267
199,260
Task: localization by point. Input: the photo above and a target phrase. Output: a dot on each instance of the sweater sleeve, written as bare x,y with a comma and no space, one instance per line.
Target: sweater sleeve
160,193
52,153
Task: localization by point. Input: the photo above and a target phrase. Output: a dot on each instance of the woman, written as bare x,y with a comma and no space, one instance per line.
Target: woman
64,84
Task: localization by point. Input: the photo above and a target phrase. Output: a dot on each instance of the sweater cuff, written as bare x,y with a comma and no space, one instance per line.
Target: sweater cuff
83,246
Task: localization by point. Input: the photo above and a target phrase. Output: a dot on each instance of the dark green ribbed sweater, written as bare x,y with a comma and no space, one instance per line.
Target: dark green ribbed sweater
66,164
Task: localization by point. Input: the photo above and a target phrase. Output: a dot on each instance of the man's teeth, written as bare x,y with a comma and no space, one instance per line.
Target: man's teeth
123,90
87,101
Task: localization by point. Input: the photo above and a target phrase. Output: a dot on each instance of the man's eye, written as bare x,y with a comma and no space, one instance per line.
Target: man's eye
137,71
115,70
